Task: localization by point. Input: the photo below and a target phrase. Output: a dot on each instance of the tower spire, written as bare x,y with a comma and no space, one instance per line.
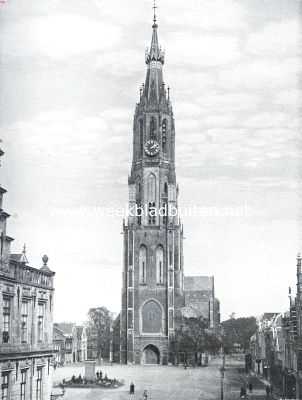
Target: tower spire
154,12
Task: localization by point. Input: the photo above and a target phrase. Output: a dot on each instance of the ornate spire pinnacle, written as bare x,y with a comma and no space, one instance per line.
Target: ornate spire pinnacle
155,53
23,258
154,9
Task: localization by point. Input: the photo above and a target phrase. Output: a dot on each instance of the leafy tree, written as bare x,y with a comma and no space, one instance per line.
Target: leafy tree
238,330
193,337
100,319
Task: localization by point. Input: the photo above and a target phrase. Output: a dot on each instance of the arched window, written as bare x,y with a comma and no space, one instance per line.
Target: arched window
164,135
130,248
151,317
141,136
153,128
151,188
138,200
143,264
159,265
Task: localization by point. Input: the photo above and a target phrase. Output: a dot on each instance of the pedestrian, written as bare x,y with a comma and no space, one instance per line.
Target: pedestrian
145,395
242,392
271,389
267,390
132,388
251,387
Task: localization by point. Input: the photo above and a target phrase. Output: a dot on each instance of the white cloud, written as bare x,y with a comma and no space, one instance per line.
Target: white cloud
204,50
277,39
58,36
261,74
218,15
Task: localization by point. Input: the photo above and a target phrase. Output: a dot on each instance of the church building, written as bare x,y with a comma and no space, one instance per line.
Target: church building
155,292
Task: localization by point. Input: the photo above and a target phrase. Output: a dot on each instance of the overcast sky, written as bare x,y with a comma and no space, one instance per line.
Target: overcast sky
69,76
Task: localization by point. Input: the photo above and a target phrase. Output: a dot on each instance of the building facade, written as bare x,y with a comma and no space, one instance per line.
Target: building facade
276,347
153,291
26,307
62,340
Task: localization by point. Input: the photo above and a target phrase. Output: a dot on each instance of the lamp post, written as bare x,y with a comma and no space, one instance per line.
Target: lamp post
222,370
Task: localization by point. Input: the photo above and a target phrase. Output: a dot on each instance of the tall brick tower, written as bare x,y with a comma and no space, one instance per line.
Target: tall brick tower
153,251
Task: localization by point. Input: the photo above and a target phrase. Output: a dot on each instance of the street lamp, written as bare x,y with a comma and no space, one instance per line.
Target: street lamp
222,370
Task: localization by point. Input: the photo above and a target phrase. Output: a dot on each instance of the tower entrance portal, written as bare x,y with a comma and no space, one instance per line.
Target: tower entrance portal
151,355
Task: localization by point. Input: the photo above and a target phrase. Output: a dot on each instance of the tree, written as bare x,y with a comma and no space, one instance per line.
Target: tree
238,330
193,337
100,320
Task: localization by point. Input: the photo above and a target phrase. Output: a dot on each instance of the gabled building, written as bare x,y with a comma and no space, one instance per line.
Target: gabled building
62,339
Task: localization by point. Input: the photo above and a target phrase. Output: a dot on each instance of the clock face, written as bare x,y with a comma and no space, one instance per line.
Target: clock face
151,147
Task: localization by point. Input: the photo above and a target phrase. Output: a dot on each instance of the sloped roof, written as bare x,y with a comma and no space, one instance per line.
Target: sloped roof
65,327
18,257
200,283
269,316
79,331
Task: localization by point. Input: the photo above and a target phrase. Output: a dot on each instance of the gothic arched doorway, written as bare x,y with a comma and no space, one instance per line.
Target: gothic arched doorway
151,355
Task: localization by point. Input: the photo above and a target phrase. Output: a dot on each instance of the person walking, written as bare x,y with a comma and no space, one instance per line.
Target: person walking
132,388
250,387
267,390
242,392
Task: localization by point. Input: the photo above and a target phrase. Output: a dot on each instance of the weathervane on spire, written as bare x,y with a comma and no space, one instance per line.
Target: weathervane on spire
154,9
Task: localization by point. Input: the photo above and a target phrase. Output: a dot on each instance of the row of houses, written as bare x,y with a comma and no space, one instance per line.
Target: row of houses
276,347
74,343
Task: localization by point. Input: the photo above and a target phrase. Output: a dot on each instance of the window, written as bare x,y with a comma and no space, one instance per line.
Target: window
6,319
130,274
130,248
23,385
39,384
41,309
151,188
143,264
153,128
151,317
4,386
170,277
165,213
171,319
164,135
24,318
152,213
159,265
139,213
141,136
166,189
130,319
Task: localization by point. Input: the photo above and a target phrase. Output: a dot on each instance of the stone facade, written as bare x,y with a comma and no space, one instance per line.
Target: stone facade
153,292
26,332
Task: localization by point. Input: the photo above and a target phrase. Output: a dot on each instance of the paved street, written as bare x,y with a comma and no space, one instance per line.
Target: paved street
165,383
161,382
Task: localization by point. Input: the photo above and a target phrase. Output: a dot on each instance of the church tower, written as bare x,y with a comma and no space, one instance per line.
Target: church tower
153,236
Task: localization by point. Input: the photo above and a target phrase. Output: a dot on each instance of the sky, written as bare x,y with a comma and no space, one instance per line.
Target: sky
70,74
